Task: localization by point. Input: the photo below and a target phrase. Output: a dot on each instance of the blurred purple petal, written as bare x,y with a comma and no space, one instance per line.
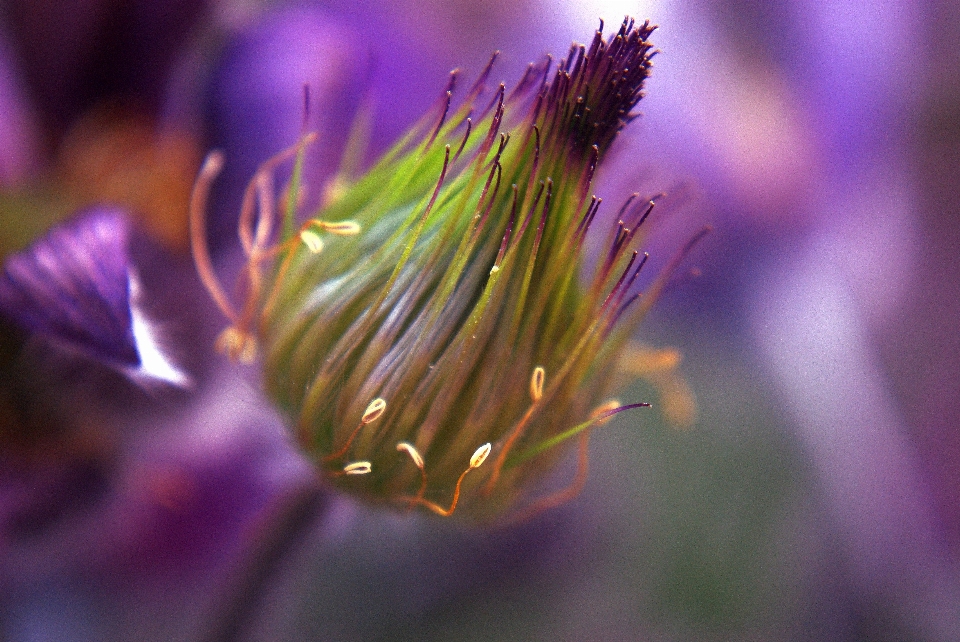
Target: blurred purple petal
73,285
77,55
258,98
18,136
814,336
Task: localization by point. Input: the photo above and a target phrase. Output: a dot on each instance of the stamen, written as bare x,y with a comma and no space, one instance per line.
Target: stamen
509,231
481,81
265,212
543,215
633,277
532,211
564,495
515,433
504,139
198,234
654,290
245,225
408,448
463,142
584,226
599,416
524,82
616,288
255,244
413,238
495,123
479,456
374,409
495,173
311,238
626,206
646,212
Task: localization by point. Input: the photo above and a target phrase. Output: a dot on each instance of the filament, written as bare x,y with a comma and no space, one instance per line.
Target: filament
478,457
198,234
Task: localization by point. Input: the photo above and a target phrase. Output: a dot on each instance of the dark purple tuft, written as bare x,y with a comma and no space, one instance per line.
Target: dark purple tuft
593,93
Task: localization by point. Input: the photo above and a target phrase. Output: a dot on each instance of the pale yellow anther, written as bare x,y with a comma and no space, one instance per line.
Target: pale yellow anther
312,240
237,345
357,468
373,411
480,455
494,270
536,383
404,446
343,228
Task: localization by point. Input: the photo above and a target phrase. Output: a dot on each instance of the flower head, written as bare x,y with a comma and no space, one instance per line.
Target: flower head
429,331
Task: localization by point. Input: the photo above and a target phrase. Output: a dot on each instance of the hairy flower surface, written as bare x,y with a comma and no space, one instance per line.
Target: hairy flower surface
433,332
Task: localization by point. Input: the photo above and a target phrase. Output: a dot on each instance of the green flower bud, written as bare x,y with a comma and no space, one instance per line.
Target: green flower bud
429,331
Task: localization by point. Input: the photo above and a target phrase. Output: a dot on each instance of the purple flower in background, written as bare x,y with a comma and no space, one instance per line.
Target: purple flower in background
18,144
257,101
813,498
76,286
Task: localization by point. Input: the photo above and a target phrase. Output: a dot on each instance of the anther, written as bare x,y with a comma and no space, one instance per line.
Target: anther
312,240
358,468
373,411
239,346
408,448
480,455
341,228
536,383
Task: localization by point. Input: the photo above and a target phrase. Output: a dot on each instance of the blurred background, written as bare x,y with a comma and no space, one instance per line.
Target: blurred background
816,493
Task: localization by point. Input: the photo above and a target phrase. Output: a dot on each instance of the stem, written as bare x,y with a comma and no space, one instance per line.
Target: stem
272,538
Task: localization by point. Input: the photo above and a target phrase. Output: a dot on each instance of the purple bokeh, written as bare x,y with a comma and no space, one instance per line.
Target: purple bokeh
818,139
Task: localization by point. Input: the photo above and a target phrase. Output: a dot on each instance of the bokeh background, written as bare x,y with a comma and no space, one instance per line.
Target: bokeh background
816,494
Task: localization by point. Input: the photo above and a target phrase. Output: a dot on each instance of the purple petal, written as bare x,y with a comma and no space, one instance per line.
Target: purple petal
73,285
18,135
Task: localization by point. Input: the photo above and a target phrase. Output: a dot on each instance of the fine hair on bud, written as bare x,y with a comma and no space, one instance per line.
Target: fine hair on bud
444,299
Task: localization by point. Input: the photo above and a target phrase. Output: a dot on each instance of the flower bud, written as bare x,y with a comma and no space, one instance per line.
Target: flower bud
456,309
